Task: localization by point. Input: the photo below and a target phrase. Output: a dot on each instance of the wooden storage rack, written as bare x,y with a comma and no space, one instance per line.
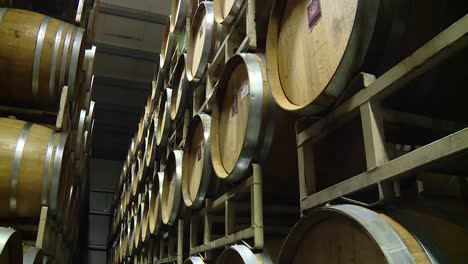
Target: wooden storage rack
252,186
240,36
367,104
60,120
178,136
171,245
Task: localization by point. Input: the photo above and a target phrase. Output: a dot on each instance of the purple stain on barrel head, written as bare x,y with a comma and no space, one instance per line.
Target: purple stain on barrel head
313,13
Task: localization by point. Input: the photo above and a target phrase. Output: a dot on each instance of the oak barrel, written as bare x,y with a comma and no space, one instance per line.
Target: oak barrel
225,11
171,188
151,149
180,10
34,167
314,48
167,47
197,172
141,133
240,254
164,117
32,255
79,135
335,234
134,178
136,226
181,91
140,220
204,40
155,218
38,56
88,66
142,172
70,202
145,231
194,260
247,127
124,241
10,246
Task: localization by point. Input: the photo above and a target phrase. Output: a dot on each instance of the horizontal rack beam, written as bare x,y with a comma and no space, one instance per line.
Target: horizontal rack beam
424,156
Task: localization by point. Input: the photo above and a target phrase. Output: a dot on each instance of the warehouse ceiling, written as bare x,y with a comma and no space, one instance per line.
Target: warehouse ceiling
128,40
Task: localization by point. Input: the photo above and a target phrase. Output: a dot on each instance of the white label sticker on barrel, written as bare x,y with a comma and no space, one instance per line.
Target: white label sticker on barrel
200,152
314,13
235,107
244,90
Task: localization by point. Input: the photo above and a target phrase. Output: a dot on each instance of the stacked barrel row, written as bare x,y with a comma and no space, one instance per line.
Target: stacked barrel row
46,127
313,51
163,181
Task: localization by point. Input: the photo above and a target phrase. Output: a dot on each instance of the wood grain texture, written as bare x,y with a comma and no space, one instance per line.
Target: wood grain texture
203,41
194,162
234,117
19,30
313,53
337,240
243,99
30,174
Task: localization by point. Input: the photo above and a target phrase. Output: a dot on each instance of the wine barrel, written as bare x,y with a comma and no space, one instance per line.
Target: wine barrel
136,226
70,187
401,235
10,246
225,11
240,254
88,66
90,116
124,242
155,218
72,229
32,255
127,193
79,135
151,149
181,91
141,133
197,172
88,94
158,86
130,226
204,40
164,118
33,170
247,127
194,260
348,37
171,185
89,136
38,56
140,221
134,184
122,178
180,10
167,47
145,230
142,172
